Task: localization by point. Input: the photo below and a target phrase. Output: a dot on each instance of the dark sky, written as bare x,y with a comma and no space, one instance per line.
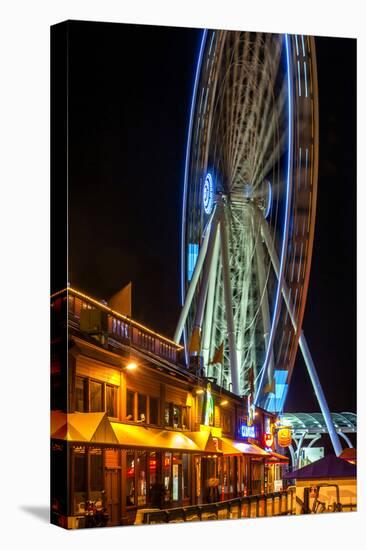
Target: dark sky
130,92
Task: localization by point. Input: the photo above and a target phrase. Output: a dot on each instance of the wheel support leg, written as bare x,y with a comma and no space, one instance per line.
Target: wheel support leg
229,303
304,348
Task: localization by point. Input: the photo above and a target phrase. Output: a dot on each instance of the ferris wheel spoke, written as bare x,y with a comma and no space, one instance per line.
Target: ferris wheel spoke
249,73
267,153
261,84
273,112
238,85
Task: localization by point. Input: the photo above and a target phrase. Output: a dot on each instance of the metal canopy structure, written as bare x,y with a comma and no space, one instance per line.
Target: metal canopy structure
314,423
308,428
248,218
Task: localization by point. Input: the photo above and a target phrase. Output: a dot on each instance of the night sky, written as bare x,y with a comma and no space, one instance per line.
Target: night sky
130,93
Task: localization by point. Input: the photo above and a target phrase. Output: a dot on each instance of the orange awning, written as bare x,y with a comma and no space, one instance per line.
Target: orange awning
232,447
276,458
155,438
80,427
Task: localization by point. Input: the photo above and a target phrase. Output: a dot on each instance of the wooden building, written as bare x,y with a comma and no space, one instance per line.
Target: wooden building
133,427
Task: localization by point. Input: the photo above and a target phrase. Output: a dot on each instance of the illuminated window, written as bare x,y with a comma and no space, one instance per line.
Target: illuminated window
176,416
130,482
95,396
96,470
130,405
80,385
111,400
141,408
154,410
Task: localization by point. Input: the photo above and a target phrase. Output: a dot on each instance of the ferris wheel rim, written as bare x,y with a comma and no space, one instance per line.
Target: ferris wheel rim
302,261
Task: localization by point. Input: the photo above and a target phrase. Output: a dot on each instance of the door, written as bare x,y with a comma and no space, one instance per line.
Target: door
113,494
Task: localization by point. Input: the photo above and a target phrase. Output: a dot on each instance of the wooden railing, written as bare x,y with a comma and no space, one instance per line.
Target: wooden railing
254,506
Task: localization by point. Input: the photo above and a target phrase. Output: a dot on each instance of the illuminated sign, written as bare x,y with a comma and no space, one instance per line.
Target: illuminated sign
209,407
208,194
284,437
247,431
268,440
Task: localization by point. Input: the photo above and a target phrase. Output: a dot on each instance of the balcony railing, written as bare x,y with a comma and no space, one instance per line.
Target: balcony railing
123,329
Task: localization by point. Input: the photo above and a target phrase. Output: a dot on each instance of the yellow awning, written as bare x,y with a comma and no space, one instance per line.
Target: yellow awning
80,427
232,447
276,458
143,436
205,441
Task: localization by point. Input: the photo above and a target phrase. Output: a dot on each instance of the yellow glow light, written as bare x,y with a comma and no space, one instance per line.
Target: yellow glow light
198,392
224,402
131,366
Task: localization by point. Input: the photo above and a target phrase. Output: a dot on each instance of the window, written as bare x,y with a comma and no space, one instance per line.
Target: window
226,421
80,401
79,479
185,462
176,416
96,470
111,400
141,477
154,410
96,401
130,405
130,485
141,408
167,414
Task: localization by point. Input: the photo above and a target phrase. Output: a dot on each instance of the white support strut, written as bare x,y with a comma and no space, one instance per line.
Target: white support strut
304,347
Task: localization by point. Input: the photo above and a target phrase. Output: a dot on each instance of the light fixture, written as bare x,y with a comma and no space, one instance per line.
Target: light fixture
199,391
224,402
131,365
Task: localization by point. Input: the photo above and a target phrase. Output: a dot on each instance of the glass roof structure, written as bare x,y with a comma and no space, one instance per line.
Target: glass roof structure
315,423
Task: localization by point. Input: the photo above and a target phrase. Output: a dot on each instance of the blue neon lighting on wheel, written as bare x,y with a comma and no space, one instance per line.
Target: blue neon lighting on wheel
193,251
278,299
269,202
208,194
186,171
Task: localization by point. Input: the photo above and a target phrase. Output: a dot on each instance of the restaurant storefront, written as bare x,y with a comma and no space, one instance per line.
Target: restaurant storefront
126,468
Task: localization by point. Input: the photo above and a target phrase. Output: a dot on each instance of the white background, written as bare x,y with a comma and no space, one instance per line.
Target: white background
24,256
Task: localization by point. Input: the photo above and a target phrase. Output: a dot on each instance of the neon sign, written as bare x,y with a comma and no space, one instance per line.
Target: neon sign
247,431
209,407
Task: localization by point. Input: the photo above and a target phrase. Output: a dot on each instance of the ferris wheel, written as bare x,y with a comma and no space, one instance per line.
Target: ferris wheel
249,209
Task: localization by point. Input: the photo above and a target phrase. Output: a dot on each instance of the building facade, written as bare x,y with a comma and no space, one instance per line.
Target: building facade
133,428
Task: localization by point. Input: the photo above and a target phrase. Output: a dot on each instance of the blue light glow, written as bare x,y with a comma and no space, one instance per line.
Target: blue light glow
276,401
193,251
247,431
269,202
278,299
186,175
208,194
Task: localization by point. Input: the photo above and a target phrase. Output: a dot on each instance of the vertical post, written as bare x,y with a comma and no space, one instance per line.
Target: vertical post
229,302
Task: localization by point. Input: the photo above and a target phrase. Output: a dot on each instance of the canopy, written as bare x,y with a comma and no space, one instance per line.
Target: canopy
328,467
276,458
232,447
315,423
142,436
80,427
205,441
